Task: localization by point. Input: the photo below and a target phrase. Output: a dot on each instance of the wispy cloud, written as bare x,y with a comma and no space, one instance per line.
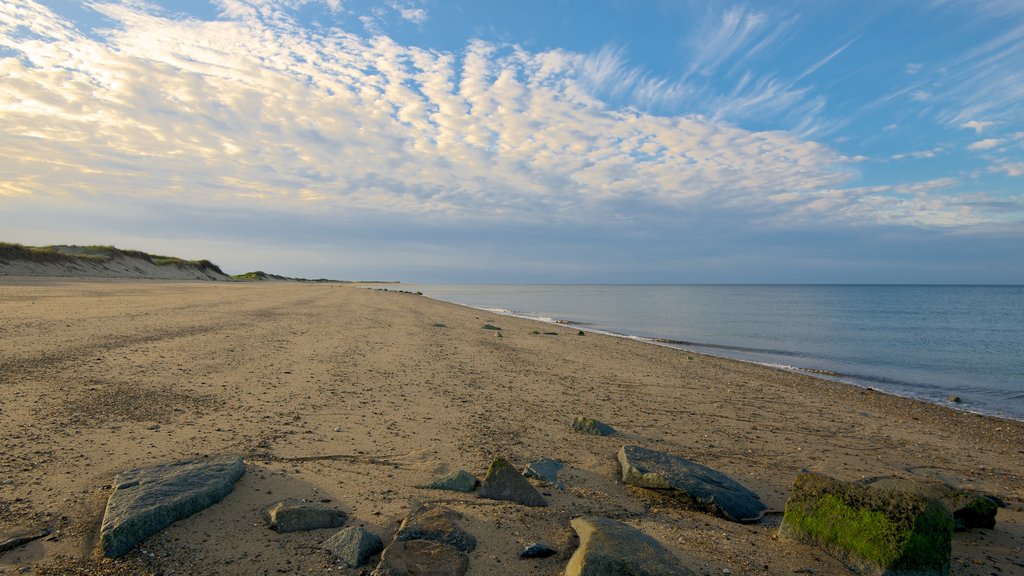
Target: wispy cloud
986,144
977,126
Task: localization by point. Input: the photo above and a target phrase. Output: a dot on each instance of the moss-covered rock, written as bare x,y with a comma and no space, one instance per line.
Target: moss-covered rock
879,532
970,509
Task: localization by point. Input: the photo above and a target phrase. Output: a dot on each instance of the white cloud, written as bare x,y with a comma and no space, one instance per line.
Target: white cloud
977,126
913,68
986,144
252,110
1009,168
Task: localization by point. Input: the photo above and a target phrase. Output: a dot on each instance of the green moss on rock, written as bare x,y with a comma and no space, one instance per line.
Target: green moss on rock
878,532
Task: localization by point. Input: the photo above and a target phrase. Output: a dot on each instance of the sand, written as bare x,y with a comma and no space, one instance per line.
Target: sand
353,395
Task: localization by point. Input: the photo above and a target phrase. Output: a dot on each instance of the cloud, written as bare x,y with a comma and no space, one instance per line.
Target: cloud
977,126
1009,168
252,110
986,144
913,68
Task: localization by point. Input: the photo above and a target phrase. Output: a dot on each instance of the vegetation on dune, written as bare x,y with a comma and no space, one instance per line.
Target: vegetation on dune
59,254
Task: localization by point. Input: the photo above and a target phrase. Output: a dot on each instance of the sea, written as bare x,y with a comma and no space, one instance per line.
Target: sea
933,343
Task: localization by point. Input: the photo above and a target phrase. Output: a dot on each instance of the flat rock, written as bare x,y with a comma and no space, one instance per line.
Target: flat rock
875,530
436,523
144,501
697,486
460,481
544,469
421,557
591,426
970,509
504,482
610,548
353,546
292,515
537,550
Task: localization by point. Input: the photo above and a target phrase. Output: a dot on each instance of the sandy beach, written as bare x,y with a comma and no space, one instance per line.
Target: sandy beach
356,397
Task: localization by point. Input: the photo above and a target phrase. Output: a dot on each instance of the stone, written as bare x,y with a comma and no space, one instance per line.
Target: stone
460,481
954,399
293,514
591,426
504,482
610,548
876,531
970,509
694,485
421,557
544,469
436,523
353,546
537,550
144,501
489,327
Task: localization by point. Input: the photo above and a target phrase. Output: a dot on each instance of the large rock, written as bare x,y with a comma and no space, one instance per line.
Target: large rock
144,501
353,546
610,548
292,515
877,531
421,558
460,481
504,482
437,523
970,509
430,541
697,486
591,426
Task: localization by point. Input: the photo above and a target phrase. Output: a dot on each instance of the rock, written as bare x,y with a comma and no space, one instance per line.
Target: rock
460,481
292,515
421,557
877,531
144,501
440,325
489,327
353,546
969,509
436,523
591,426
697,486
537,550
610,548
544,469
504,482
954,398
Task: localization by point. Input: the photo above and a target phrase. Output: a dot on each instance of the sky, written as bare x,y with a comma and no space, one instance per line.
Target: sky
591,141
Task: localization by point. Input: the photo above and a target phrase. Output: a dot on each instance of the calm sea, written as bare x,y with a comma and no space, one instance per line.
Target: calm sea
926,342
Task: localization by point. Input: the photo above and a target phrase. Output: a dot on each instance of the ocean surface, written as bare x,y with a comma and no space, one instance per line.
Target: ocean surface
926,342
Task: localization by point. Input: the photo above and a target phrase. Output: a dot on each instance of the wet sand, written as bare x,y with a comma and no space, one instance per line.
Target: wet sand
355,396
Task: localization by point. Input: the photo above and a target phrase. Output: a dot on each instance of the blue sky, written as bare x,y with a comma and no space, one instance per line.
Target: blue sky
531,141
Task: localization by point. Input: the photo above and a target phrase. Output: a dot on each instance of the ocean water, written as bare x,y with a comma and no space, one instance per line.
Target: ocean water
926,342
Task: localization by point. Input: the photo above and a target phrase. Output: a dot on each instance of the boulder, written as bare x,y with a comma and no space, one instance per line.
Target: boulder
544,469
610,548
460,481
353,546
421,557
504,482
693,484
591,426
970,509
436,523
876,531
144,501
292,515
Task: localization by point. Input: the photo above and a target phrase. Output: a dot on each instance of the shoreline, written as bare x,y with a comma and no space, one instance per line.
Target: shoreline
359,397
872,383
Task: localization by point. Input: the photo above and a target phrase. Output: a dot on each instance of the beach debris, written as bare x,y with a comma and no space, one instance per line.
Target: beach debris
591,426
437,523
544,469
460,481
504,482
429,541
695,485
489,327
970,509
353,546
610,548
440,325
581,333
877,531
537,550
954,398
22,539
144,501
294,514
